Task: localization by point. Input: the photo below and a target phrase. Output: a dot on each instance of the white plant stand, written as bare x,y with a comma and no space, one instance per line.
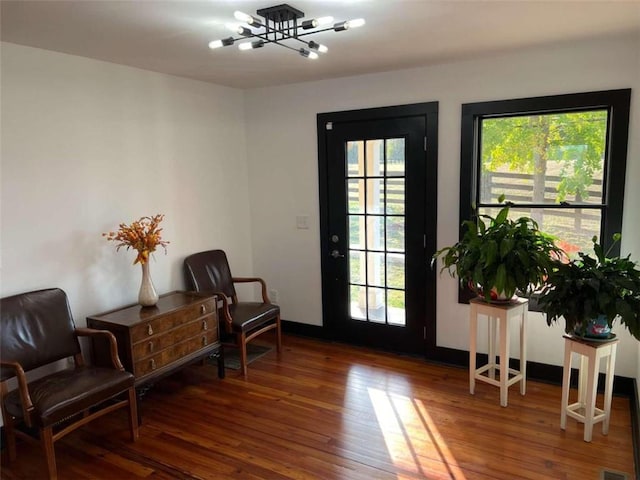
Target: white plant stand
500,316
585,410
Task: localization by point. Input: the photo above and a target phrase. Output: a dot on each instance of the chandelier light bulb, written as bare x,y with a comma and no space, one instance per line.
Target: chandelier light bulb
246,18
239,29
341,26
318,47
225,42
309,24
243,17
324,21
307,54
251,45
358,22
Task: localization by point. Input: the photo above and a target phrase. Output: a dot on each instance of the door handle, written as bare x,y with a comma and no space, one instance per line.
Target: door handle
336,254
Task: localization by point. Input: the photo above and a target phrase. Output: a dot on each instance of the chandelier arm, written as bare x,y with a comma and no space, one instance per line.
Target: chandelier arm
282,45
285,34
266,39
265,36
296,34
315,31
302,41
290,37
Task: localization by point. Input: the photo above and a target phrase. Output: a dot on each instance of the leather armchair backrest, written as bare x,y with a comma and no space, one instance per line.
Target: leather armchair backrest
209,272
36,328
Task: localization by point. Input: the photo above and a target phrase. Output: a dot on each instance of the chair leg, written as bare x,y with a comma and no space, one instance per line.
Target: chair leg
242,345
278,336
133,413
46,438
9,428
10,436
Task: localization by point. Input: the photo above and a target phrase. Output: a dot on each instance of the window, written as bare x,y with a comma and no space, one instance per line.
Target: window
559,159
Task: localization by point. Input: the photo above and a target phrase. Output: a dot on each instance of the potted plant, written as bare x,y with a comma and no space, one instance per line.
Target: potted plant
590,293
498,256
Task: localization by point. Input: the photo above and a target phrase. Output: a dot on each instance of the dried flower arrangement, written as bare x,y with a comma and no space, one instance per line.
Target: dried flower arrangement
143,235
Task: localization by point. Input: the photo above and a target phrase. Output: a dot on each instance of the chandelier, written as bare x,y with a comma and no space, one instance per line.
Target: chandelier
281,24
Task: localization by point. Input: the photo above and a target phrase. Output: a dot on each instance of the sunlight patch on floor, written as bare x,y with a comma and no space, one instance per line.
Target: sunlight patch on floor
411,436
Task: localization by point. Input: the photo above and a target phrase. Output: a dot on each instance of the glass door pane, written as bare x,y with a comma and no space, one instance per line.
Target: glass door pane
375,185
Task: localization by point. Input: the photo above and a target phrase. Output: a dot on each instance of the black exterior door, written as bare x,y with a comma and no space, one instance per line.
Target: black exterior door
378,204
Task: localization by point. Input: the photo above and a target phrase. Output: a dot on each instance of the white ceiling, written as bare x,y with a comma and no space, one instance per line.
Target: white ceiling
172,36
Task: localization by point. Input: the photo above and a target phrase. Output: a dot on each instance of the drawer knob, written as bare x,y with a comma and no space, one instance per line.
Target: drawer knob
152,363
203,309
149,330
204,325
150,346
204,341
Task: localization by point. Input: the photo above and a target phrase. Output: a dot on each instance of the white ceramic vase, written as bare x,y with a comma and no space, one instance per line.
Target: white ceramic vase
147,297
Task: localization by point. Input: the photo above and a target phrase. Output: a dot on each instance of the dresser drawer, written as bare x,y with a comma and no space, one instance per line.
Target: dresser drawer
156,343
145,330
175,352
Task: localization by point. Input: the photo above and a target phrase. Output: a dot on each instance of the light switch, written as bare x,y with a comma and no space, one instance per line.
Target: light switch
302,222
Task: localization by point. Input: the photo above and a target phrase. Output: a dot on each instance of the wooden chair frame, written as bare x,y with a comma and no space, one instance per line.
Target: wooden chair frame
47,437
241,337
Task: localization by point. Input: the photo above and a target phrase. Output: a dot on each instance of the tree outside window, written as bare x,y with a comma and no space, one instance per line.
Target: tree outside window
545,160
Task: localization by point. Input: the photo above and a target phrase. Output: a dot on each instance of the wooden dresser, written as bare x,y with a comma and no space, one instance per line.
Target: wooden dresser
155,341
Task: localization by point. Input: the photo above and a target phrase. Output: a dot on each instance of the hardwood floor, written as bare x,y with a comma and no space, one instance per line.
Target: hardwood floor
330,411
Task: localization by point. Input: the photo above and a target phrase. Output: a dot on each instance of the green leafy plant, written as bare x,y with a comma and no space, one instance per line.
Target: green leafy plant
500,254
586,288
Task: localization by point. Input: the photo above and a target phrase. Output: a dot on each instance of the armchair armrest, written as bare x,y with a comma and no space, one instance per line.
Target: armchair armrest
113,344
263,284
25,397
220,296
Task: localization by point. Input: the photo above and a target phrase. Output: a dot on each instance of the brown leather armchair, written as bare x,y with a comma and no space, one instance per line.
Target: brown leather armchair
37,330
209,272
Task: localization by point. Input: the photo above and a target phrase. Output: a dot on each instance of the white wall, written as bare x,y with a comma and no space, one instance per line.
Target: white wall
87,145
282,153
